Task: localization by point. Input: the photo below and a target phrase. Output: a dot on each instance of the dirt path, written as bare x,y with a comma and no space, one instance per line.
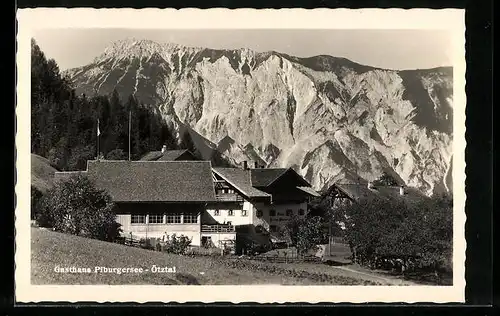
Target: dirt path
372,276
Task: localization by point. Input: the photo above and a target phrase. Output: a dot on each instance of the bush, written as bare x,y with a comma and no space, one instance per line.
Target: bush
305,233
177,244
145,243
77,207
116,154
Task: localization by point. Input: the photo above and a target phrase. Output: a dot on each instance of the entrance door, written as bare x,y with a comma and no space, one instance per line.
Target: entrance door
206,241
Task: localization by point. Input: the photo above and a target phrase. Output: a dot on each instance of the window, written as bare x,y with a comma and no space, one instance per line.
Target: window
190,218
289,212
273,228
272,213
259,213
138,219
173,218
230,213
216,212
301,212
156,219
244,213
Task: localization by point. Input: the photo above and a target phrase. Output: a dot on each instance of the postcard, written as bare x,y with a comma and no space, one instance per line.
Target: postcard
241,156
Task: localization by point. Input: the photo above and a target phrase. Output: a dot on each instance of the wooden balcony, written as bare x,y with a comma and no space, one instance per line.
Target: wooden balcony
217,228
228,197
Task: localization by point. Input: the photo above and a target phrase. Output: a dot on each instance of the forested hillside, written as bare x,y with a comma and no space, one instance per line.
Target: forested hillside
64,125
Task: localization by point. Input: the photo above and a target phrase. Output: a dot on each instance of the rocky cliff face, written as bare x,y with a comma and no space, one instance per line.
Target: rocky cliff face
329,118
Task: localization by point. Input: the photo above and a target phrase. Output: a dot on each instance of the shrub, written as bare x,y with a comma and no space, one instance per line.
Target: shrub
177,244
116,154
305,233
145,243
77,207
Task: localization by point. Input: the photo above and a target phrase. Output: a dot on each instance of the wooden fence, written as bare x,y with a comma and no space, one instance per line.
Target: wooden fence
282,259
202,251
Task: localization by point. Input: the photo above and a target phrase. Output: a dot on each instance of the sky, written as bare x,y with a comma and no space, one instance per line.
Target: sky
389,49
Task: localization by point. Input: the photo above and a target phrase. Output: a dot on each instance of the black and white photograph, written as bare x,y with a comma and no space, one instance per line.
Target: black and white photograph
293,158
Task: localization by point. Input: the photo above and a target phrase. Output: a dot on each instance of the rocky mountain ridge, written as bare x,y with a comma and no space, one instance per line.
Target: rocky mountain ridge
329,118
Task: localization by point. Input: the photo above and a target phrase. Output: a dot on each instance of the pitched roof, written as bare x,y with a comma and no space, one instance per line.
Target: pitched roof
357,191
154,181
263,177
168,155
240,179
309,191
172,155
151,156
248,181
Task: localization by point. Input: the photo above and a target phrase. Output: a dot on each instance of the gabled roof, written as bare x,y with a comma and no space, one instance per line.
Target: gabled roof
264,177
151,156
168,155
249,181
240,179
357,191
309,191
154,181
173,155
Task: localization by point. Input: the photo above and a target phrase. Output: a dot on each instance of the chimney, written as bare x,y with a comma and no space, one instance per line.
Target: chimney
245,165
371,186
163,149
402,190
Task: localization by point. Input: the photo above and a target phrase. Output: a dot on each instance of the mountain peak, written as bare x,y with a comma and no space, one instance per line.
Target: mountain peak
132,47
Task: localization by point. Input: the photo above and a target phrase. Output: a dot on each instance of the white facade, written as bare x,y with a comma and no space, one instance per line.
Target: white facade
267,215
149,230
274,216
240,216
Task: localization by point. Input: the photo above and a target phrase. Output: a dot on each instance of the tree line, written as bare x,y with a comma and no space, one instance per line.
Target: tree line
413,236
64,125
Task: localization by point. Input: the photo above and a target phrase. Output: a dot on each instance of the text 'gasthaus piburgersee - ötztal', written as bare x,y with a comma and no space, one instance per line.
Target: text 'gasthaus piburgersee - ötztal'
116,270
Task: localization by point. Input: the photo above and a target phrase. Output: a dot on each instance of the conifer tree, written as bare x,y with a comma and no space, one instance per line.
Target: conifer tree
64,124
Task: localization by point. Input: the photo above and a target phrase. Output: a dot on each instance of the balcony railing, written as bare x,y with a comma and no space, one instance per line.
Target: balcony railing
229,197
217,229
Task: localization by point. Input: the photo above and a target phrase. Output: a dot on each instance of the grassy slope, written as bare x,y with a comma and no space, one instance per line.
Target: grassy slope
50,249
42,173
